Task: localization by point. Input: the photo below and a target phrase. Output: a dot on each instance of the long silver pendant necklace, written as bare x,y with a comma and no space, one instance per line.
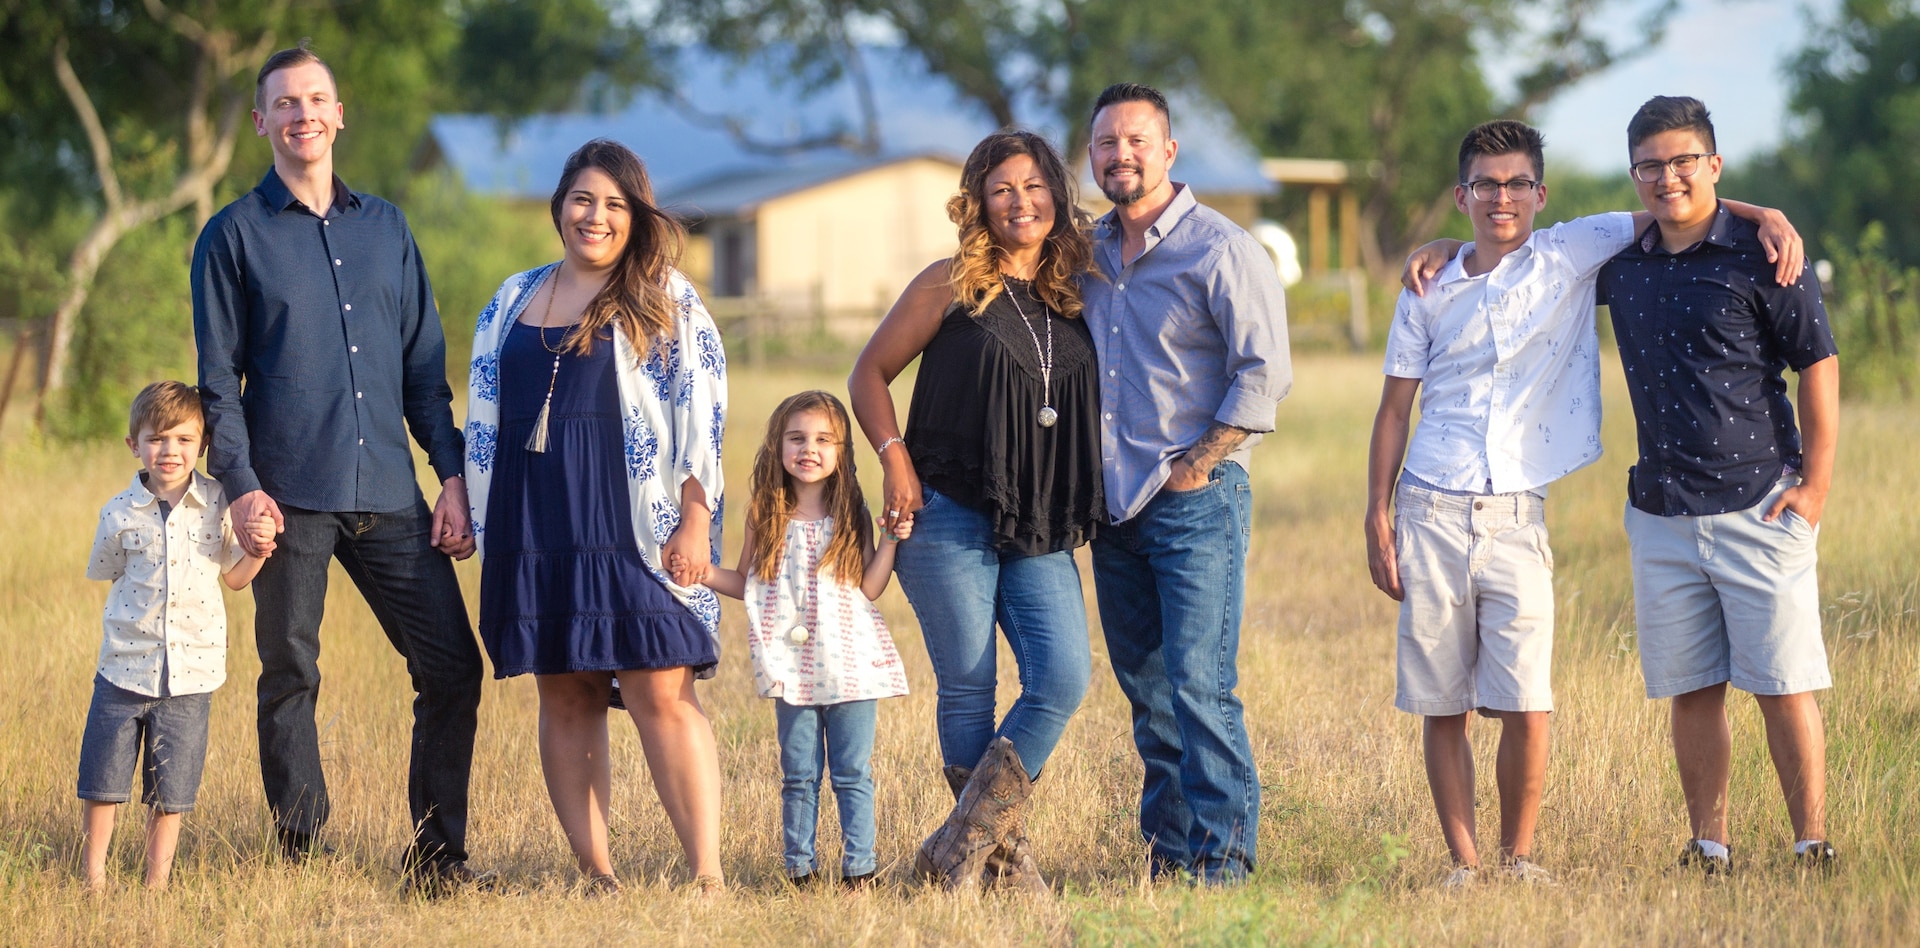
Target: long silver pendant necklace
537,438
1048,417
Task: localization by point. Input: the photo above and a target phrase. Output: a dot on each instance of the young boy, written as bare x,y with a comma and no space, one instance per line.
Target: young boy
1504,339
163,542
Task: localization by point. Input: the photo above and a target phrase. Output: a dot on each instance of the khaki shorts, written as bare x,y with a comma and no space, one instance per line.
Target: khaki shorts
1476,626
1728,598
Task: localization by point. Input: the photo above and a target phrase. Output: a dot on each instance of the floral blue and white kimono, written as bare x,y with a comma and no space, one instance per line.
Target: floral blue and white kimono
675,408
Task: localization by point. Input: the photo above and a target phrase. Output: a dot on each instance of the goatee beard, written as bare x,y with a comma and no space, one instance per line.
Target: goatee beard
1122,197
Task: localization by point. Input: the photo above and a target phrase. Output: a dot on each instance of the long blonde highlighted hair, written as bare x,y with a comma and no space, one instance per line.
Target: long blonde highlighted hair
636,295
771,504
974,271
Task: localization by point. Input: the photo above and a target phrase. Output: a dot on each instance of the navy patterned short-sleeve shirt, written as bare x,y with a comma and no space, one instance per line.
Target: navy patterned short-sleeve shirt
1704,337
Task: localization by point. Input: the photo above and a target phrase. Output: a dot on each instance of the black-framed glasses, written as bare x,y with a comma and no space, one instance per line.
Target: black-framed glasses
1683,166
1487,189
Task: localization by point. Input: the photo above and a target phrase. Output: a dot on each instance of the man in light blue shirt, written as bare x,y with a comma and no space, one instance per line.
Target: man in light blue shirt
1190,324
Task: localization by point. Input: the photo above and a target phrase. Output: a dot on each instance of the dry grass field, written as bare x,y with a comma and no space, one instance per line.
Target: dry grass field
1349,849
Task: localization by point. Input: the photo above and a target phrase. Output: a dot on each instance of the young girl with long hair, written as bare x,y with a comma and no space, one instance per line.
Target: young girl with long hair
809,571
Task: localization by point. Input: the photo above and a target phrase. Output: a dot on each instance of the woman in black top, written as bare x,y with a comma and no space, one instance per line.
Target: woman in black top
999,472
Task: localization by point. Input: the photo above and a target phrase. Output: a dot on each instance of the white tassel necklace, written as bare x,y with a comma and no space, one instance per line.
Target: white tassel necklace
537,438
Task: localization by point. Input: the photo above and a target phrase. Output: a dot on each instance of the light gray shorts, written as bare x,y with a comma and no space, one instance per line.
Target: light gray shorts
1476,626
1728,598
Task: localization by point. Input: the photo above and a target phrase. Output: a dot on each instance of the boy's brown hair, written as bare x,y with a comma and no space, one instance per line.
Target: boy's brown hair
1503,137
164,405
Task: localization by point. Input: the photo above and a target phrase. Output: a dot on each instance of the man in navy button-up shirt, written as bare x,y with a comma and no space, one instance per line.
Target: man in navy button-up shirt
319,349
1726,497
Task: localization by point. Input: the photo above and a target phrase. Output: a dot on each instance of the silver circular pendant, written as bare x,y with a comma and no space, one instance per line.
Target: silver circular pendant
1048,417
797,635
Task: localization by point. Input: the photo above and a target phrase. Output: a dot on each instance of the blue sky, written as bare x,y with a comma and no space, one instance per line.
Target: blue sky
1730,54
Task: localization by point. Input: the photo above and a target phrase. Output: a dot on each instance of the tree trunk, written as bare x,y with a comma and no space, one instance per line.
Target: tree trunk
209,148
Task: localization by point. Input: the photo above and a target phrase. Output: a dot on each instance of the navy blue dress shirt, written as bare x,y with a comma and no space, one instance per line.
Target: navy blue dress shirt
319,348
1704,337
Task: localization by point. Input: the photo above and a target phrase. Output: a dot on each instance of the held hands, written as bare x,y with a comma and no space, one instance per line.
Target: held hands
687,556
1382,560
902,528
900,488
250,507
261,530
452,530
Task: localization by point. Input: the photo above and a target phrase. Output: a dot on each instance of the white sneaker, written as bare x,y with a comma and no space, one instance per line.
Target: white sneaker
1527,871
1460,878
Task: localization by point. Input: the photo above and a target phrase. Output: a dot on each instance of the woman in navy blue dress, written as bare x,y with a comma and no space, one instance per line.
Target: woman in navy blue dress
597,401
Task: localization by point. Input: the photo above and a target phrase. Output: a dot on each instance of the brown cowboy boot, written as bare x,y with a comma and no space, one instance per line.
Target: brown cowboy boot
957,853
1011,865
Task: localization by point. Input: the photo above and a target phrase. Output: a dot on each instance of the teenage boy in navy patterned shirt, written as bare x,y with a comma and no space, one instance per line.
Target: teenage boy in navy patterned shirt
1724,503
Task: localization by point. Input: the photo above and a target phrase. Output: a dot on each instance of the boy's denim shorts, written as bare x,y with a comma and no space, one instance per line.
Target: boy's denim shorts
168,735
1728,598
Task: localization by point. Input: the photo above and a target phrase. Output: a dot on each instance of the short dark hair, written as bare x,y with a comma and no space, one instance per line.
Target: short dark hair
1504,137
287,59
165,405
1133,92
1666,113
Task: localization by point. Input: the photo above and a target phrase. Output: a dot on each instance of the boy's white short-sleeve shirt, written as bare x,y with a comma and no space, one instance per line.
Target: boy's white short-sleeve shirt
1509,362
165,611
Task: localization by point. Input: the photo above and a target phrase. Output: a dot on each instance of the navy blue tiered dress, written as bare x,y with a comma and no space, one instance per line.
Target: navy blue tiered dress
563,587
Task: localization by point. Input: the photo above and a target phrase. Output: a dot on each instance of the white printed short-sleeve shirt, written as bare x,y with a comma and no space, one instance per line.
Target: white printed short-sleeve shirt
1508,362
164,612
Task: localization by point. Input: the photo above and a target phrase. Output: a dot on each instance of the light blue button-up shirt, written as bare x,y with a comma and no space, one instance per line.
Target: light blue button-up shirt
1192,331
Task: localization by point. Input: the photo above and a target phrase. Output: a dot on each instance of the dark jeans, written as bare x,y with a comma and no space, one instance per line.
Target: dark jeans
415,597
1170,583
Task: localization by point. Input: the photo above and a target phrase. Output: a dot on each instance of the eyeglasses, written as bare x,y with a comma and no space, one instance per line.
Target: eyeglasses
1486,189
1683,166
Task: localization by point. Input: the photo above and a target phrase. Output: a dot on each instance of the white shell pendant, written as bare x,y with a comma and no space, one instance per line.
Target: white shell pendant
797,635
1048,417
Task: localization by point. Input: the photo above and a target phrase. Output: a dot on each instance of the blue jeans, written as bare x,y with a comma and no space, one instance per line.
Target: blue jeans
1170,583
166,736
840,738
414,595
960,586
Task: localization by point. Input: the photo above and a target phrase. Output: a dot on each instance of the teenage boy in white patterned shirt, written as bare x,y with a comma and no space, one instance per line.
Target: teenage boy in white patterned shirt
1504,339
164,542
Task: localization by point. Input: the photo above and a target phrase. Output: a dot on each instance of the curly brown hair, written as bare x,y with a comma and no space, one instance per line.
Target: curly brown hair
771,499
974,271
636,295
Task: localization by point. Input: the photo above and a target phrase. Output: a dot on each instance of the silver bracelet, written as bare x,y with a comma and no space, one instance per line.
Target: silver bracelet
890,442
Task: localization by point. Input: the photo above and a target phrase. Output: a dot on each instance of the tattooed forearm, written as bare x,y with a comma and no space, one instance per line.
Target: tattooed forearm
1218,441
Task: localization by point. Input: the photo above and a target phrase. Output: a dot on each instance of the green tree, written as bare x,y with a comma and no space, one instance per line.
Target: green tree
140,172
1388,84
1856,89
116,115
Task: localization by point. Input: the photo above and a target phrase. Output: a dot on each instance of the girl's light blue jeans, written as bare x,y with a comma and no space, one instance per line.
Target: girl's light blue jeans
838,738
961,587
